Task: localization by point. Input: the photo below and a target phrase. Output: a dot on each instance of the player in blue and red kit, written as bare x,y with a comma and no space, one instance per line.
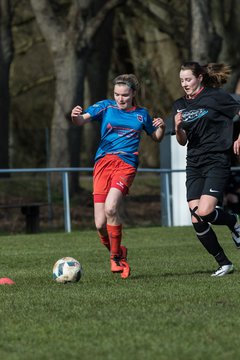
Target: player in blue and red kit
116,160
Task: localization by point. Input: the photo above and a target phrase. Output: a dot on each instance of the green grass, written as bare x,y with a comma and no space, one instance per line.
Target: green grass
170,307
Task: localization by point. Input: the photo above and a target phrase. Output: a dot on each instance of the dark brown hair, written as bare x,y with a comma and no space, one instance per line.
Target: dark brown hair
214,75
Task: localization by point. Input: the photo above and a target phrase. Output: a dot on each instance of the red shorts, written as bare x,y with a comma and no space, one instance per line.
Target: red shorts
111,172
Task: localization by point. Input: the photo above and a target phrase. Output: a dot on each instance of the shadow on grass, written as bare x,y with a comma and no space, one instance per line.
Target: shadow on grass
168,275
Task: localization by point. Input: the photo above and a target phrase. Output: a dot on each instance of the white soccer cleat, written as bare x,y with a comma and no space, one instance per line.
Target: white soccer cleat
224,270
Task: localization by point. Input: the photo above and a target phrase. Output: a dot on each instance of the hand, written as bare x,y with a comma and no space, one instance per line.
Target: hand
159,123
78,118
178,121
236,146
76,111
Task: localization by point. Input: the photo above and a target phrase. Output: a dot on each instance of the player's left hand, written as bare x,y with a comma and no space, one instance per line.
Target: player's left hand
236,146
159,123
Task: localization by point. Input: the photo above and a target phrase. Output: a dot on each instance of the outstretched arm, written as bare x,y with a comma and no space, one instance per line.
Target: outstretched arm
78,118
158,134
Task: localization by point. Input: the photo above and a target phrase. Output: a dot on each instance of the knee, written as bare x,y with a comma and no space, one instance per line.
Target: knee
209,216
200,215
100,225
206,209
110,211
100,222
204,212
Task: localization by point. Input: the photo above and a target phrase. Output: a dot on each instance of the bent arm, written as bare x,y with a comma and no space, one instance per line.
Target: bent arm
236,144
78,118
158,134
181,135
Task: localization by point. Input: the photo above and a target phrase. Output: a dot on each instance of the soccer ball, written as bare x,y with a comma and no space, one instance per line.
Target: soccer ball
67,270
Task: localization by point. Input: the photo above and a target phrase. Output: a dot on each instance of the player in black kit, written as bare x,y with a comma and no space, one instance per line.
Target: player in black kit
204,121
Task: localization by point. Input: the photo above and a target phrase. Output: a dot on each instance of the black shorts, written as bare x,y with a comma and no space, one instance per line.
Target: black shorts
207,180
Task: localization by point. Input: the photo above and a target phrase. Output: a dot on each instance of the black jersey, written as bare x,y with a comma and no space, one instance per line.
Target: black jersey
208,122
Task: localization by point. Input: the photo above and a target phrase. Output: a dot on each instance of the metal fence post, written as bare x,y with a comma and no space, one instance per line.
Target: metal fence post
168,201
66,201
165,200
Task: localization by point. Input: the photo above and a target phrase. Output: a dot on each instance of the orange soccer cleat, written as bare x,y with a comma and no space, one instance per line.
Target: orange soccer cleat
116,265
126,269
119,264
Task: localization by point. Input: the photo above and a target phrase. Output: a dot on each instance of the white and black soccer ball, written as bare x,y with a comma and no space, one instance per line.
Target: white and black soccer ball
67,270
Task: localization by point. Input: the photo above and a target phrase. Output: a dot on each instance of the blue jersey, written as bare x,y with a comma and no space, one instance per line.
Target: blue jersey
120,129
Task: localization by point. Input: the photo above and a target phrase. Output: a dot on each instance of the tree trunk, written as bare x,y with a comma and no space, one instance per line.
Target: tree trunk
6,54
97,73
226,18
69,72
69,42
205,42
66,137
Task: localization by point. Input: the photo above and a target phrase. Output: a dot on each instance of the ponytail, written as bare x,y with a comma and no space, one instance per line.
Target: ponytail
214,75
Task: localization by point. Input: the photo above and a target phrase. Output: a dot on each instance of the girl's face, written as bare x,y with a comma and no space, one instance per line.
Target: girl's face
190,83
123,96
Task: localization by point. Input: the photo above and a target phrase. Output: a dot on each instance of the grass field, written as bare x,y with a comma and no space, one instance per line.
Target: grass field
170,307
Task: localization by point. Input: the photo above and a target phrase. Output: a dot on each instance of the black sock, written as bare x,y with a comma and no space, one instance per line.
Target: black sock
222,259
209,240
221,217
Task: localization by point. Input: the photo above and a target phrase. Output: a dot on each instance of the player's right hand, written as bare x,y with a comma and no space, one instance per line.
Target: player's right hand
77,110
178,120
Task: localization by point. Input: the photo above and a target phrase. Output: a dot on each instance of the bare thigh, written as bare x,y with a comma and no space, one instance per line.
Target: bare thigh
99,215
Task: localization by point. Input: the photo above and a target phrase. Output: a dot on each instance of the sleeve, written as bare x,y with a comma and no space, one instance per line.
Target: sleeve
178,105
227,104
148,125
97,110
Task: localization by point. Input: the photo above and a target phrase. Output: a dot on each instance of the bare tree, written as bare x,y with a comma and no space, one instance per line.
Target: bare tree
226,18
68,40
6,54
151,39
205,42
151,43
98,69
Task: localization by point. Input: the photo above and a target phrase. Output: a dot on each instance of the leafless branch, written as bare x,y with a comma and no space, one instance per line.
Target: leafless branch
94,24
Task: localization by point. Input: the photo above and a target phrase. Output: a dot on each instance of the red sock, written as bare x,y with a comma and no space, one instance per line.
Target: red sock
115,236
104,240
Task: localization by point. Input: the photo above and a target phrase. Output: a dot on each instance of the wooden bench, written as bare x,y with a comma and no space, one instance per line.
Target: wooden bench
31,212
